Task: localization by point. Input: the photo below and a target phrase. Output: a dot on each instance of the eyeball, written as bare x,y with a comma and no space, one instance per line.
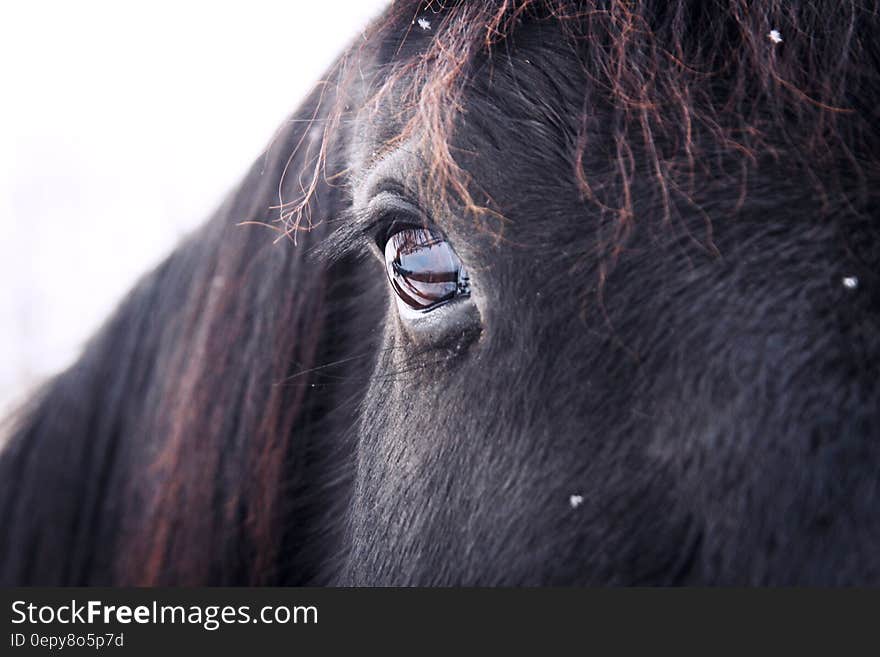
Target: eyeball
423,269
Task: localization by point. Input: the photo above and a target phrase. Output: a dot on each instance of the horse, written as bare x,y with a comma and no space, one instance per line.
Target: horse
526,292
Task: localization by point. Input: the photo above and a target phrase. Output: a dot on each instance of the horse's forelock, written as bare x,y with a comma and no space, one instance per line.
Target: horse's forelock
695,90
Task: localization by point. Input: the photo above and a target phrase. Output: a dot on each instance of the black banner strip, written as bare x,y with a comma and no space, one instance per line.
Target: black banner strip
320,621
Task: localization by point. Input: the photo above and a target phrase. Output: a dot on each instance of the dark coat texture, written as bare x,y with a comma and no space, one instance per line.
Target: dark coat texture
666,370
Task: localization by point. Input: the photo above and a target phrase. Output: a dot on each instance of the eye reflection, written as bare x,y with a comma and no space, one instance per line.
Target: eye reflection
423,269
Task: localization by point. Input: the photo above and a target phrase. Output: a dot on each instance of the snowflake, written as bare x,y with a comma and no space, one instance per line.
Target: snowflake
775,36
424,23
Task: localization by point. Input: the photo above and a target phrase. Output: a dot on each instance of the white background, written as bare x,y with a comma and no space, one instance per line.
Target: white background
122,125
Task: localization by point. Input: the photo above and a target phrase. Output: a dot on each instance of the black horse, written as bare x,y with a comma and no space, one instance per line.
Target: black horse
527,292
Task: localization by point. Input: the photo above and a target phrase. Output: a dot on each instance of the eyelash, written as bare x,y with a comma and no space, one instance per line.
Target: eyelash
391,224
361,232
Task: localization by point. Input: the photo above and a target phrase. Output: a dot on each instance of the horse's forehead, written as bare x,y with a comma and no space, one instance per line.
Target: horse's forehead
512,105
523,68
373,166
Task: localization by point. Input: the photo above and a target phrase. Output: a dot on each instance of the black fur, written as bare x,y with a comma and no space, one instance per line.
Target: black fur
259,413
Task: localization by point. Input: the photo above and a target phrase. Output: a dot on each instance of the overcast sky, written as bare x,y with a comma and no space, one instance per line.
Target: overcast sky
122,126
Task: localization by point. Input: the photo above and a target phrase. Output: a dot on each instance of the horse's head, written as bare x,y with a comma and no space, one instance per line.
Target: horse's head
642,345
577,293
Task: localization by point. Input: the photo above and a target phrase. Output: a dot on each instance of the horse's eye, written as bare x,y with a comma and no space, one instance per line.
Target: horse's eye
423,269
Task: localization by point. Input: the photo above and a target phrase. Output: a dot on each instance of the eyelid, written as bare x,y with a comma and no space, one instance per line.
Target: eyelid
364,231
360,228
393,213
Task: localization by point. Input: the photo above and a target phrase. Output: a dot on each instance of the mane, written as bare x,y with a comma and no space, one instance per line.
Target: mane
185,430
188,444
